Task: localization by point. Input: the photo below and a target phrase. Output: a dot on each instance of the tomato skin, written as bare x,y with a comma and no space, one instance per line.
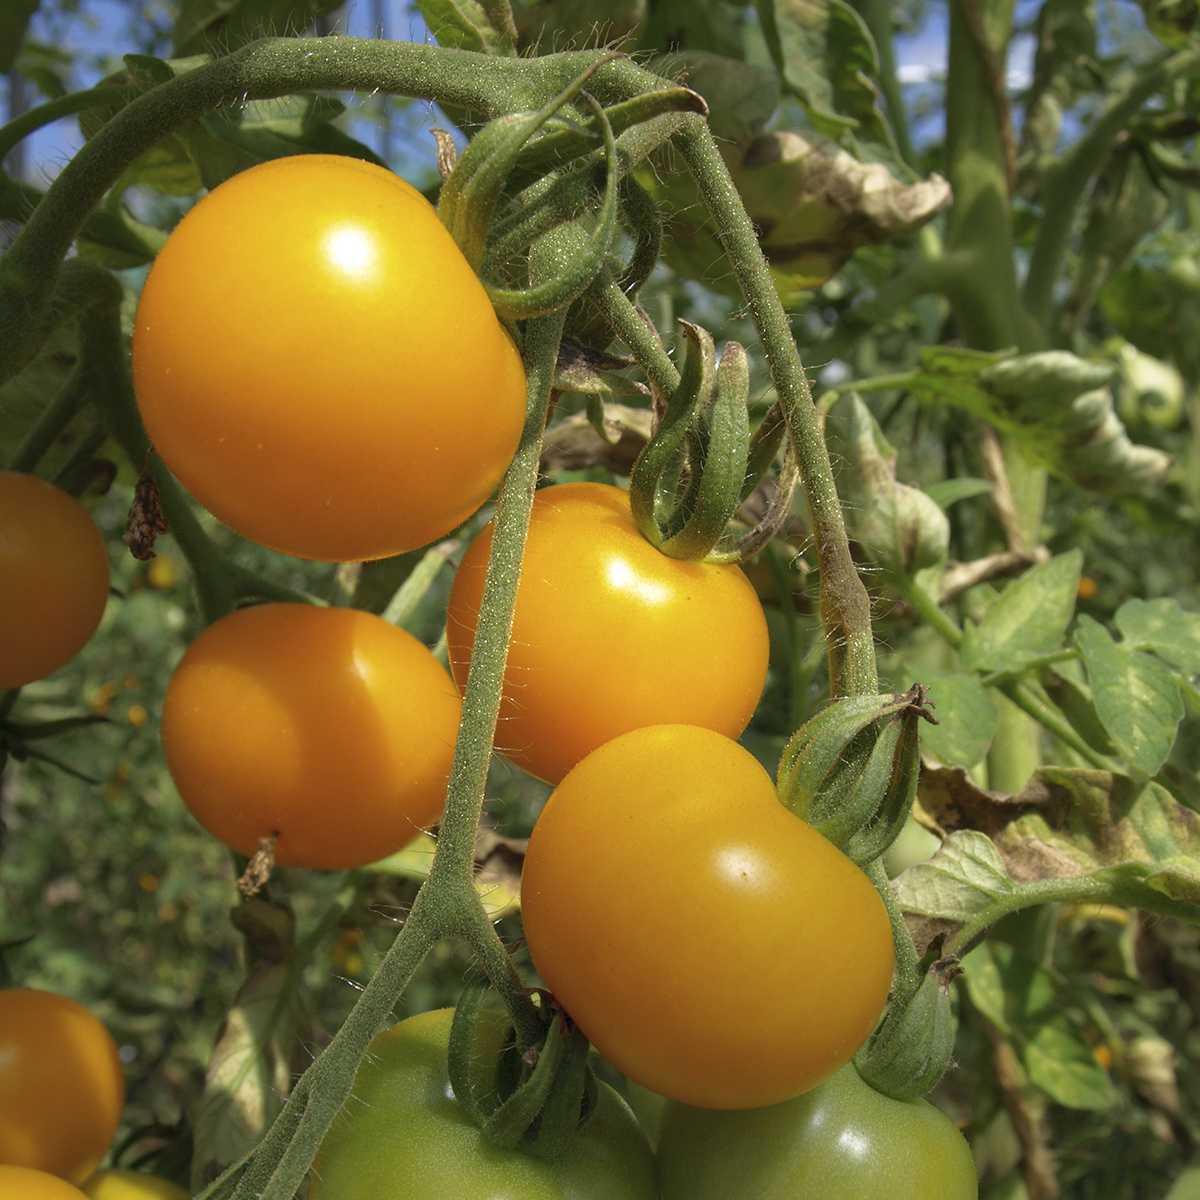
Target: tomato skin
707,941
403,1137
62,1086
610,634
328,726
131,1185
318,364
841,1141
53,578
24,1183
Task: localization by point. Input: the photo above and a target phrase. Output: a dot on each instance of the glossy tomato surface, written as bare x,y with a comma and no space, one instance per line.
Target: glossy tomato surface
318,364
841,1141
326,726
23,1183
708,942
62,1087
610,634
53,578
403,1136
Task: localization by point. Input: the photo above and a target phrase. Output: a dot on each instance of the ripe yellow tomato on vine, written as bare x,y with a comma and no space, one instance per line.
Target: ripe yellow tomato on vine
318,364
707,941
62,1087
131,1185
328,727
53,578
609,634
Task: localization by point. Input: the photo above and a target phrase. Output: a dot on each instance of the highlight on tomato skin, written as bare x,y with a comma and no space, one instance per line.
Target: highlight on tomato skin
317,363
329,727
62,1086
709,943
54,579
609,634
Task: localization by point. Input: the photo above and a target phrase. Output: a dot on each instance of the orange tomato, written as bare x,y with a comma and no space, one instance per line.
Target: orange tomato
326,726
62,1087
708,942
53,578
610,634
318,364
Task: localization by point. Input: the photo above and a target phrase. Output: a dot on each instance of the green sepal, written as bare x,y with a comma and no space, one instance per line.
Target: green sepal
725,443
819,746
581,268
696,383
514,1118
470,194
851,771
913,1047
645,222
871,840
463,1028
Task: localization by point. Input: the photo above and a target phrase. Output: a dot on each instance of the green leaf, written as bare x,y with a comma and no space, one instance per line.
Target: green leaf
1136,696
963,877
904,529
1060,1061
827,58
950,491
461,24
1028,620
965,713
14,20
741,96
1164,628
249,1073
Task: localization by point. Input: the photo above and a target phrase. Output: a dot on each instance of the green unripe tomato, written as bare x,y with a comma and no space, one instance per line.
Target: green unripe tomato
403,1136
841,1141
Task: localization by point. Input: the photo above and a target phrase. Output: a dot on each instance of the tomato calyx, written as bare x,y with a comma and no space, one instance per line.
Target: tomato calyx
851,771
702,461
536,1099
912,1048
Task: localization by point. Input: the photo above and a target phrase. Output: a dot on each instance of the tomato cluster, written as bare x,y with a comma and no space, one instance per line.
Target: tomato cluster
710,944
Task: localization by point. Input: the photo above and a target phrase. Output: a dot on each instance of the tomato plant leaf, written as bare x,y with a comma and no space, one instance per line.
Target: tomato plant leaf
249,1073
741,96
1163,627
950,491
965,875
1061,1062
462,24
905,530
827,58
966,716
1136,696
1029,618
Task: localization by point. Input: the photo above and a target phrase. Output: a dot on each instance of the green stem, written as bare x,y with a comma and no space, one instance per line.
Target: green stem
927,607
1064,183
483,83
845,608
639,336
1031,698
1044,892
447,904
64,106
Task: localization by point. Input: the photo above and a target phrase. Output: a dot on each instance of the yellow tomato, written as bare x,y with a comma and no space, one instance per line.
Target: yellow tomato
53,578
708,942
131,1185
318,364
610,634
326,726
62,1087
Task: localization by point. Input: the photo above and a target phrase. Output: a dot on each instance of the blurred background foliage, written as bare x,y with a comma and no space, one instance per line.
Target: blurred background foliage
1080,1029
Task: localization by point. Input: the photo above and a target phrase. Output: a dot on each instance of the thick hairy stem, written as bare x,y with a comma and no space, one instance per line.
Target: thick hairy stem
487,84
845,608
